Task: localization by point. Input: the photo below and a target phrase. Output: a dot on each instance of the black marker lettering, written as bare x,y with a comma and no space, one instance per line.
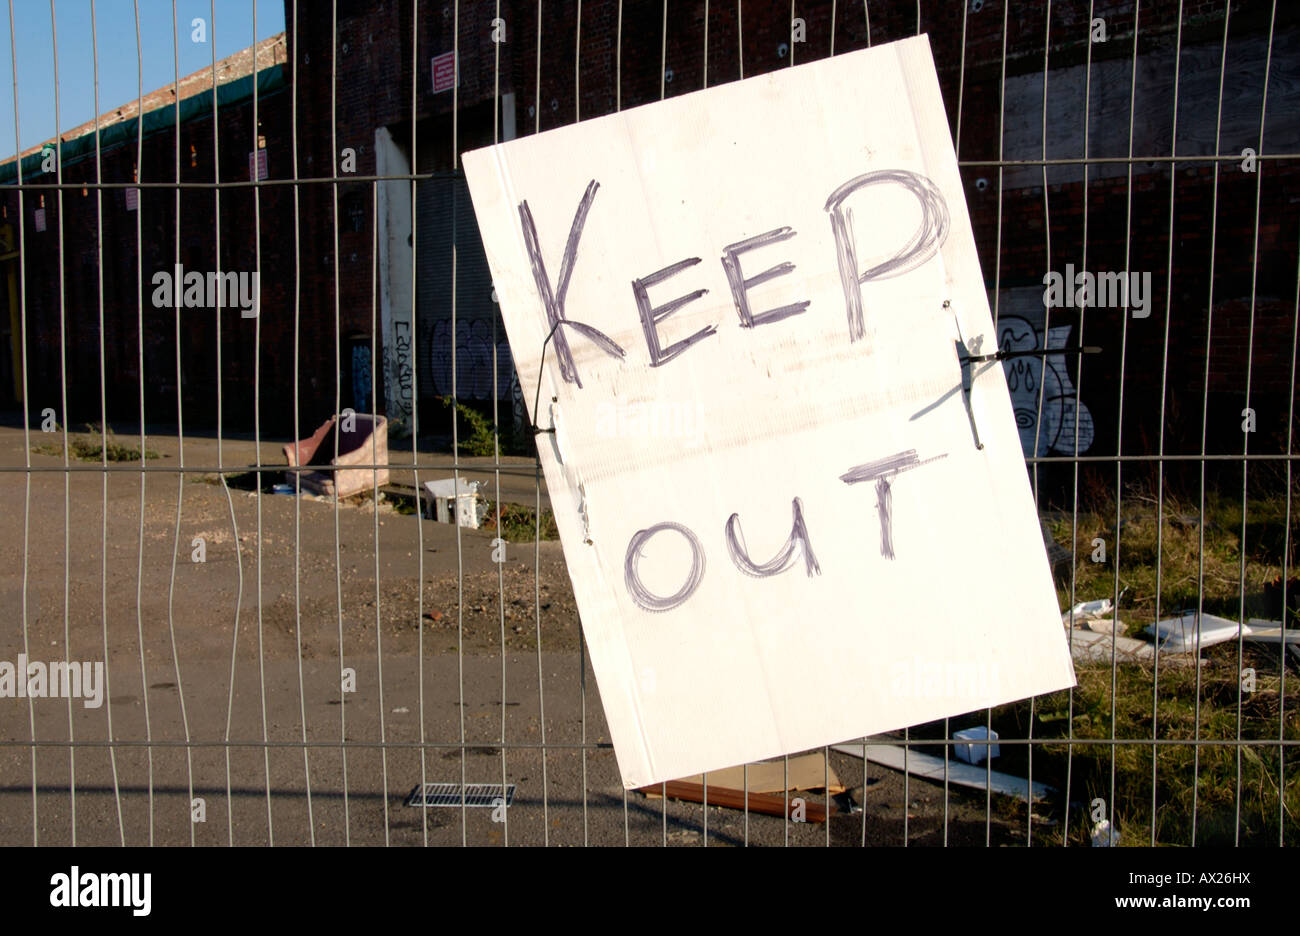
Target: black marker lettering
651,317
880,471
554,301
642,595
740,285
884,501
782,560
919,248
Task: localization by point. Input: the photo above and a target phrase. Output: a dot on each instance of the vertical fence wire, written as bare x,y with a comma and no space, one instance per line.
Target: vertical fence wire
496,456
582,638
338,404
1245,451
1119,422
1205,410
1078,396
103,430
415,434
1286,555
297,423
374,480
455,399
1038,423
63,399
1164,393
27,431
139,290
221,474
618,101
537,479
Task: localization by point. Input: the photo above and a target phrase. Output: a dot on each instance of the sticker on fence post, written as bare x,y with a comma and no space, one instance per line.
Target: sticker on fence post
821,551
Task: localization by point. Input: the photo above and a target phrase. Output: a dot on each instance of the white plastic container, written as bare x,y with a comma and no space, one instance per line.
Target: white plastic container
975,753
458,495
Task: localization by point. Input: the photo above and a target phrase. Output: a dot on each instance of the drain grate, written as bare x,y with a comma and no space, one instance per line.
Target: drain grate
480,795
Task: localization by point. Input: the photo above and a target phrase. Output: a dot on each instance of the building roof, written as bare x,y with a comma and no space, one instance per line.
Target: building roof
265,55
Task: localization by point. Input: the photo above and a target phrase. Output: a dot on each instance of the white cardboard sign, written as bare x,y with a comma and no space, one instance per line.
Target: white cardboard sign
780,524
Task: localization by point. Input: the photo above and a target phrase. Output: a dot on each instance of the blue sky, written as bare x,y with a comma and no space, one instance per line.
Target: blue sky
229,29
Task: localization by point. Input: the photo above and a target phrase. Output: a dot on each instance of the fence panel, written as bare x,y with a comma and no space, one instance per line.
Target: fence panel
252,654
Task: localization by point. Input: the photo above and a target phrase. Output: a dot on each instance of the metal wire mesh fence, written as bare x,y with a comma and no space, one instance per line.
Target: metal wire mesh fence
319,660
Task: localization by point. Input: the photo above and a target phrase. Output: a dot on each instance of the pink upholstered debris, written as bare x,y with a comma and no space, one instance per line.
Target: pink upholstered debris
366,444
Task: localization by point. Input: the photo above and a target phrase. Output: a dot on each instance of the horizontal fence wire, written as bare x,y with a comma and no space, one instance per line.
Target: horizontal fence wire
528,470
265,665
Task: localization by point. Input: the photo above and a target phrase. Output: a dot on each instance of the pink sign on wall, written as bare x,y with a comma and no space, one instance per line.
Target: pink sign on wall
444,72
257,165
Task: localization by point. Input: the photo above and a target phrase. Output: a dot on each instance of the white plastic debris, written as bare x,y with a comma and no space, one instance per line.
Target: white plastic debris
1105,626
1104,835
1181,634
455,497
975,753
1087,611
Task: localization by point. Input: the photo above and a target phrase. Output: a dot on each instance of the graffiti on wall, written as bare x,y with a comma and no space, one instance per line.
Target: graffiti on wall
398,374
473,367
1046,379
361,378
474,348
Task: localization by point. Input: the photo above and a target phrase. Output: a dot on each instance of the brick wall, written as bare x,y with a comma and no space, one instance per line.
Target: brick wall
51,356
370,65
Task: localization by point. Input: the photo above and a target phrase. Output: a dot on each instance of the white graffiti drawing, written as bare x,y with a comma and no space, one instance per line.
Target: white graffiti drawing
1025,376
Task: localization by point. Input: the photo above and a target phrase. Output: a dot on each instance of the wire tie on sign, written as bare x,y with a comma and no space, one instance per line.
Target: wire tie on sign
1032,352
965,360
537,430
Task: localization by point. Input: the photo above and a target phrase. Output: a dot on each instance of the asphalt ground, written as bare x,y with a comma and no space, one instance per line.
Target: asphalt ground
225,677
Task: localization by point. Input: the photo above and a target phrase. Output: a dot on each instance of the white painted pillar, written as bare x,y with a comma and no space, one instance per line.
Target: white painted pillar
395,283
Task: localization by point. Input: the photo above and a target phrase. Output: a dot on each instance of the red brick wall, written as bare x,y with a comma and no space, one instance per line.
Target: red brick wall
121,306
375,62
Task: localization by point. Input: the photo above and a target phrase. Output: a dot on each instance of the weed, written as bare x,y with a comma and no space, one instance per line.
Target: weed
96,446
516,523
475,434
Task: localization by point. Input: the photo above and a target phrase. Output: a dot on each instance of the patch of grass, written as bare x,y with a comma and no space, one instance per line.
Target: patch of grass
516,523
1166,555
404,505
1169,542
95,446
1200,781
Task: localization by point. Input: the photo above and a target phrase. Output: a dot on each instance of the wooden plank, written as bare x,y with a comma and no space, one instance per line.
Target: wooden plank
806,772
768,804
